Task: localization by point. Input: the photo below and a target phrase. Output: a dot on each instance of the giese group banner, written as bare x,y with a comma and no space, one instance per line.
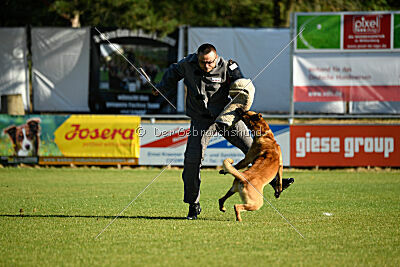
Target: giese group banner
345,145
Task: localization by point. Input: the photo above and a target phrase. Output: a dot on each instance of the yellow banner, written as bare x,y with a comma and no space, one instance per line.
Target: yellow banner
99,136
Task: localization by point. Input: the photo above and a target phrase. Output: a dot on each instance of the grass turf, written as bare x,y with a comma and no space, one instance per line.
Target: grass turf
72,206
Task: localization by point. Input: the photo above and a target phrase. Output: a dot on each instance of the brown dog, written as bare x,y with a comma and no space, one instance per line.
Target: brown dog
266,158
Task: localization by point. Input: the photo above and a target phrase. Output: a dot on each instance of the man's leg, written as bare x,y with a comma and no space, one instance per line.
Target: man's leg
238,135
199,137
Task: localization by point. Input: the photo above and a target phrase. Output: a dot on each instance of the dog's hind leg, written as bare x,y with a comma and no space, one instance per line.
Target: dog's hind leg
228,194
241,207
224,198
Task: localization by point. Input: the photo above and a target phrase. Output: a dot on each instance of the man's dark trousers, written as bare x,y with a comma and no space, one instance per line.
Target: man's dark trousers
201,132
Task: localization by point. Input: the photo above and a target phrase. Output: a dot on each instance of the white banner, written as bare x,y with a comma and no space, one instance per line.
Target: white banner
340,69
162,143
60,69
13,64
369,81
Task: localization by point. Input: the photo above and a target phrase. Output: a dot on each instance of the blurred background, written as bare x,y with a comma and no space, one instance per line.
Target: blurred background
309,60
57,62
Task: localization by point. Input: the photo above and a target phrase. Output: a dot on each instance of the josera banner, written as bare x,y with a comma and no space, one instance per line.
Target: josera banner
65,139
99,136
345,145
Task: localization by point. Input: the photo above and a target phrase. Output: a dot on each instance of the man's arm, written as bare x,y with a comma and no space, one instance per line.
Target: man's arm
234,71
172,75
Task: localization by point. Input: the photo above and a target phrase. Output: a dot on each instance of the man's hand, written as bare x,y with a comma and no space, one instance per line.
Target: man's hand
155,92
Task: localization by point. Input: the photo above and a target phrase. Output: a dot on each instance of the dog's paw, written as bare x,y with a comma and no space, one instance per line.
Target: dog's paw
222,172
277,194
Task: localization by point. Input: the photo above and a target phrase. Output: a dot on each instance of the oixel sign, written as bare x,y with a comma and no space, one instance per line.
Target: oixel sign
367,31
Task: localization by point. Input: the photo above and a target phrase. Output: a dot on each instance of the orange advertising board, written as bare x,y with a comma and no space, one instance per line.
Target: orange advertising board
345,145
99,136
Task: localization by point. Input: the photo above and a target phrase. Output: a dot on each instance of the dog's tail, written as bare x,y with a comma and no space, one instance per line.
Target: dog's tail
232,170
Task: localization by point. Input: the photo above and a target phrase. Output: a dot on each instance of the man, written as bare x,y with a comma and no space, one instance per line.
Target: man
207,78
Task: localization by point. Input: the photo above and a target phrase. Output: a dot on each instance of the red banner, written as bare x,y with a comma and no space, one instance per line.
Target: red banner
347,93
367,31
345,145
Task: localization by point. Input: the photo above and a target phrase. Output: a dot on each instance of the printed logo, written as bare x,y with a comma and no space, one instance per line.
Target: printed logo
99,136
352,145
367,24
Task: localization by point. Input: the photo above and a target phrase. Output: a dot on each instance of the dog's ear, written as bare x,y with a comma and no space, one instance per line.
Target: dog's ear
259,115
34,125
12,132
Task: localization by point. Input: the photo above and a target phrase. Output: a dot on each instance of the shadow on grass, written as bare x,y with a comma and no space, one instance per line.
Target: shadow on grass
109,217
92,216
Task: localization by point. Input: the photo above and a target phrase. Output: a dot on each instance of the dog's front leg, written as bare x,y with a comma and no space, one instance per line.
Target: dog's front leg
242,164
249,158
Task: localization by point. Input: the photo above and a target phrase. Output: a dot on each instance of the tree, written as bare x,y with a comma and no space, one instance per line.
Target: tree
164,16
70,10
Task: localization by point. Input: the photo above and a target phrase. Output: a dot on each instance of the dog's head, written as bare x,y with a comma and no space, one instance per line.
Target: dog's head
254,121
25,138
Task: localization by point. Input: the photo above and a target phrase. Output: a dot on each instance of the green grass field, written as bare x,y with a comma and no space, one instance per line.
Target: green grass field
73,205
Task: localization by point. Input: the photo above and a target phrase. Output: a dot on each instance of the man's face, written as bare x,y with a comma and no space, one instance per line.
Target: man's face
207,62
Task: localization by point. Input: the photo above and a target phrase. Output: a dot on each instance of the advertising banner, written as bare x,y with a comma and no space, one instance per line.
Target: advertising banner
79,139
317,31
367,31
163,143
326,77
347,62
99,136
345,145
396,31
346,31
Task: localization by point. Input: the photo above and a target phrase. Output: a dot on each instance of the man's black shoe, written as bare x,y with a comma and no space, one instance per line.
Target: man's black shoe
285,183
194,210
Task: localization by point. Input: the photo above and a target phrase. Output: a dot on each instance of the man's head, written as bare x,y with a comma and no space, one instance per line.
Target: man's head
207,56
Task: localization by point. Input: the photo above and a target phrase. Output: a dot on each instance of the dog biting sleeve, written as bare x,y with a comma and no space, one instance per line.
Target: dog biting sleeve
242,94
